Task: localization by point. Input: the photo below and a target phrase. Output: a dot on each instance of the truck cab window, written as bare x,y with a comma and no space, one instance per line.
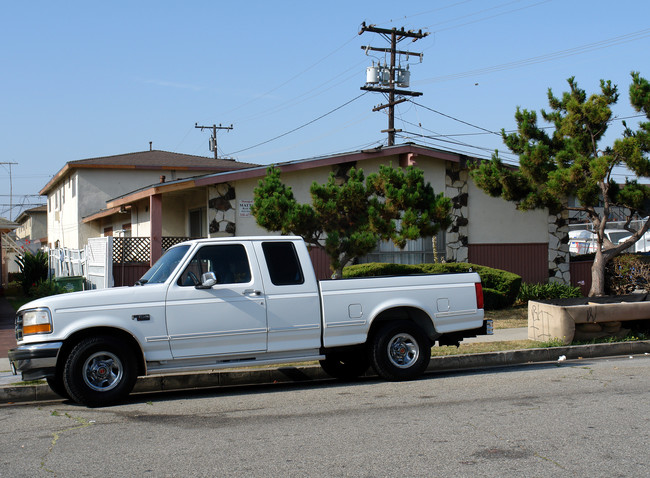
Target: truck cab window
282,261
229,262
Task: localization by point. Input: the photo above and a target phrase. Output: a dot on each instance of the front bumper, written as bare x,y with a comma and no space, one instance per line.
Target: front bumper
35,361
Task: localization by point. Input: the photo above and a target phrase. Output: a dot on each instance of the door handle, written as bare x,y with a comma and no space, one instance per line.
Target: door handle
252,291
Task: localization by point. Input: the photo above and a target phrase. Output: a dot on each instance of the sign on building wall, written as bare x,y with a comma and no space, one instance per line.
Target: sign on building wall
245,207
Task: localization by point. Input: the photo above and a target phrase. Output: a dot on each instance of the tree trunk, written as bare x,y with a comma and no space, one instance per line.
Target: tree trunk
598,276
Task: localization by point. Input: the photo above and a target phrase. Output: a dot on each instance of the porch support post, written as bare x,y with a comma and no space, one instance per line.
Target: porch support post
155,217
2,269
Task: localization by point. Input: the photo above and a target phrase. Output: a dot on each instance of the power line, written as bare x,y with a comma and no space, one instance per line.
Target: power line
304,96
427,11
299,127
293,77
587,48
455,119
484,18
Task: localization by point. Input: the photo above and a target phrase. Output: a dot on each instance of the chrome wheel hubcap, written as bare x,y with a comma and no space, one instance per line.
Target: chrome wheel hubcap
403,350
102,371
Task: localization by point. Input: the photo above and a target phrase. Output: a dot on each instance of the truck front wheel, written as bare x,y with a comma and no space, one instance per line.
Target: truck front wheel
57,386
99,371
400,351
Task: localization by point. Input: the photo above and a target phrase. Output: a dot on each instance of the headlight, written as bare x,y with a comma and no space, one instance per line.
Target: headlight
37,321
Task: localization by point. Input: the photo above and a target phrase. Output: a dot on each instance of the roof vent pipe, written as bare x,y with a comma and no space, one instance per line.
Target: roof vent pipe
150,145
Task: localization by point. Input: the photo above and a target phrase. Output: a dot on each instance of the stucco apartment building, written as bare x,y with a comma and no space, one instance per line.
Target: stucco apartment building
6,226
81,188
485,230
32,229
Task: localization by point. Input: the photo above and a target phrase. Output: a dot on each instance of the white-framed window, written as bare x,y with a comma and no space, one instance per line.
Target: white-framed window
418,251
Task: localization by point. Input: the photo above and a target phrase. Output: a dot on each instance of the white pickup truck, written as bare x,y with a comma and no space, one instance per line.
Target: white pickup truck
216,303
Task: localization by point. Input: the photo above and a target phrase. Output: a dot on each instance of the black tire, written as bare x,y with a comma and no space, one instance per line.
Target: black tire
345,365
57,386
99,371
400,351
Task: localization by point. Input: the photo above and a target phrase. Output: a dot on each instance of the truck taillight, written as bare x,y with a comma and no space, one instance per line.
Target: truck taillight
479,295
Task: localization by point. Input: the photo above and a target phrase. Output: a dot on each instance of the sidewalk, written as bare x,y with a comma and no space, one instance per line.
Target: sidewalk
27,393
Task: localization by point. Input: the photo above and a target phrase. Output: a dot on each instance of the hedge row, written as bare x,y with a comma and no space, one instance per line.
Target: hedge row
500,288
626,273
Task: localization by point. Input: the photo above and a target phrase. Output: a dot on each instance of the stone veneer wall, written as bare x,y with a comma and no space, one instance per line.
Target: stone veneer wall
222,207
558,248
456,188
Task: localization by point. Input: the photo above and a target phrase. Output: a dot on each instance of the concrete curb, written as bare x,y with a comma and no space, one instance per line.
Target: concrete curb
158,383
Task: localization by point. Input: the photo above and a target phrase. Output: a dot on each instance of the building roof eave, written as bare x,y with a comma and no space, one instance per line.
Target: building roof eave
297,165
101,214
155,160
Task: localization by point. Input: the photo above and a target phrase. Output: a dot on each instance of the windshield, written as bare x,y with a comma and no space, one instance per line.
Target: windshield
164,266
617,237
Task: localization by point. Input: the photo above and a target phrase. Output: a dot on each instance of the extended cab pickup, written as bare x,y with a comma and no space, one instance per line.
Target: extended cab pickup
216,303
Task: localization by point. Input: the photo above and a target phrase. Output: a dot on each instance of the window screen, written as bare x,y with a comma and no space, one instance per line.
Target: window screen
283,264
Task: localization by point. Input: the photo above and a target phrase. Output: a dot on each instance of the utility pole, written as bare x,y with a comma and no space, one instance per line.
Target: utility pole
385,77
213,138
11,189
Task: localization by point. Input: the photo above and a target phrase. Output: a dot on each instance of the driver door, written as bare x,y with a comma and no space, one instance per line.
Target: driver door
227,318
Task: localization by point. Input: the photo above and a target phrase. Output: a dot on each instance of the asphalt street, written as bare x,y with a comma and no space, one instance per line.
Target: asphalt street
587,418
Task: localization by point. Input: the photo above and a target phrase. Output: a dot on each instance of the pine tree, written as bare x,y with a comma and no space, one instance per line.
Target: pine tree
348,219
569,162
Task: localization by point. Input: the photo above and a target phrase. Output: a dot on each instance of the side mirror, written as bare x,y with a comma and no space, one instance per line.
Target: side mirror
207,280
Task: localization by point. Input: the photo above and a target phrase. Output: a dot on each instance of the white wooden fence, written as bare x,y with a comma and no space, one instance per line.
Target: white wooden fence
94,263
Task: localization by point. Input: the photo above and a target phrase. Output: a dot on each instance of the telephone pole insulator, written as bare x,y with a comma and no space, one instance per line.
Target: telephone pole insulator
213,138
385,79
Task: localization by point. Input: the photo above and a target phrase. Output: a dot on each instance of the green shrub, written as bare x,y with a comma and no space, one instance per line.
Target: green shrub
494,300
626,273
13,277
13,289
500,288
503,282
553,290
46,288
375,269
33,268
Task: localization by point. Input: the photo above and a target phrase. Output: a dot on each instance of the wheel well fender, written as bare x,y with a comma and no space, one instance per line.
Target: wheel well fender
130,342
412,314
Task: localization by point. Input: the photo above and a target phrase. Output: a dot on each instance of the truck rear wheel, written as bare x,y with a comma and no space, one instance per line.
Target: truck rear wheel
400,351
99,371
345,365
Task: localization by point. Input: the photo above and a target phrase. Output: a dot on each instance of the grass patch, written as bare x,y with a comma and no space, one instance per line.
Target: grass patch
17,302
481,347
509,318
631,337
29,382
553,343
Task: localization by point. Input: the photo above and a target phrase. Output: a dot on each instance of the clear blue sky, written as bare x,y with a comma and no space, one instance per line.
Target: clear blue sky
88,79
